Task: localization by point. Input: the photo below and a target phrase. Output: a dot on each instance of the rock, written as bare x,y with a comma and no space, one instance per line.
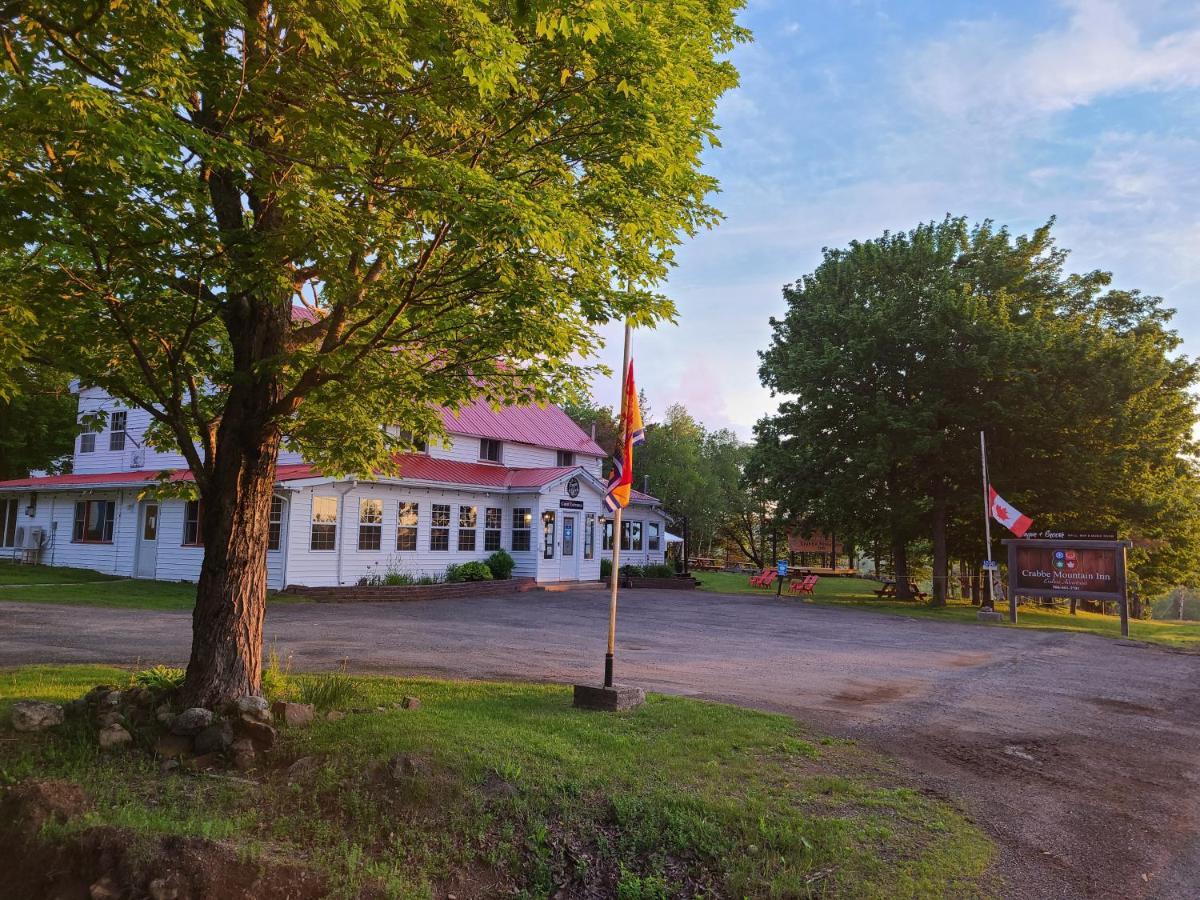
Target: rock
242,745
167,766
35,715
402,766
112,717
216,738
244,760
166,718
93,696
253,707
259,733
32,804
192,721
335,715
162,889
173,746
105,889
111,700
200,763
302,767
411,703
293,714
381,709
77,707
113,736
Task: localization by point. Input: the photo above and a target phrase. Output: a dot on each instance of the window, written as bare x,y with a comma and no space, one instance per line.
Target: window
468,518
566,458
608,530
493,520
370,524
87,442
489,450
192,535
439,527
522,523
406,527
150,522
116,437
547,535
275,524
589,536
652,531
94,521
409,439
324,523
8,522
631,530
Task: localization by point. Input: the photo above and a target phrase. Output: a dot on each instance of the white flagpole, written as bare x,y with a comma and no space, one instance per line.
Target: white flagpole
987,520
614,578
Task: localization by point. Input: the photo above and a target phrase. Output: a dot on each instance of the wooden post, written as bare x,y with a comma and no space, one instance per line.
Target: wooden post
615,579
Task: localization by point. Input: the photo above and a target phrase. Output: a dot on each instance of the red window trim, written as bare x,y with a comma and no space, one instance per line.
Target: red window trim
87,508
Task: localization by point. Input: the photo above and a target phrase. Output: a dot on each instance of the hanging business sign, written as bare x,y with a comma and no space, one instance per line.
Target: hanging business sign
570,504
1095,534
573,487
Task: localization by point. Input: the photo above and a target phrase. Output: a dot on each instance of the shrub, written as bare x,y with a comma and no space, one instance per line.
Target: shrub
605,568
501,565
631,571
276,677
468,571
159,678
329,690
658,570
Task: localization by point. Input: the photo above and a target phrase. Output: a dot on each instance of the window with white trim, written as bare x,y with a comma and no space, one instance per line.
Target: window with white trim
8,521
87,442
193,536
406,526
493,521
116,435
589,535
548,534
490,450
275,523
607,531
566,458
370,523
324,524
631,535
468,519
439,527
522,527
652,535
94,522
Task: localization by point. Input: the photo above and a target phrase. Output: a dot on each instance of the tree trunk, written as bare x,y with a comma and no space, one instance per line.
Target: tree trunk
1074,604
900,560
231,596
941,562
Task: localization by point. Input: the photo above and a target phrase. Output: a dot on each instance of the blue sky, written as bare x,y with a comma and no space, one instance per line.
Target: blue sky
856,117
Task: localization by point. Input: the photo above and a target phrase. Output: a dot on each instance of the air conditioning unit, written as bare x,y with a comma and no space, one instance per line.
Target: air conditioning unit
34,537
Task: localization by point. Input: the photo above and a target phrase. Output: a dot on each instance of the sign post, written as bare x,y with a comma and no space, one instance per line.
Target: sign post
1068,567
781,572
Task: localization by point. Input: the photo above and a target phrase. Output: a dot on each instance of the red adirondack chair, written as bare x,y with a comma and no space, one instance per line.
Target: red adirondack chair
760,579
804,586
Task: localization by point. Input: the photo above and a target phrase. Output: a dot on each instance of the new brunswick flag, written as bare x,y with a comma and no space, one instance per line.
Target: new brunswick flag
620,482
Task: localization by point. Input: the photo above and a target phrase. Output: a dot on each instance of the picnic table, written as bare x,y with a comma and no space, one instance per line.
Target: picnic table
704,563
889,590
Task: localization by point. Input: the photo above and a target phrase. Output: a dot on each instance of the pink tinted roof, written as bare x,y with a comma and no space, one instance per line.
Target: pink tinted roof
541,426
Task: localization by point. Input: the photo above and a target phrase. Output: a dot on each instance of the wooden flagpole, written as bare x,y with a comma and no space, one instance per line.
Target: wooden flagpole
614,577
987,520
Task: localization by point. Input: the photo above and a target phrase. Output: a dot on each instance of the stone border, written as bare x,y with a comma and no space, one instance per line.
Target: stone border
676,583
354,593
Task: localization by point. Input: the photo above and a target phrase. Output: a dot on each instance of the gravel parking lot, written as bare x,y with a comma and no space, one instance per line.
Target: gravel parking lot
1080,755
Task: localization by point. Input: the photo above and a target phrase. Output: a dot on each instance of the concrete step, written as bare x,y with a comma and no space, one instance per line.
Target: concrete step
557,586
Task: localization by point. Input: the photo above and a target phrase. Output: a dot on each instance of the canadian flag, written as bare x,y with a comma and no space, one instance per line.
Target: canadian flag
1006,514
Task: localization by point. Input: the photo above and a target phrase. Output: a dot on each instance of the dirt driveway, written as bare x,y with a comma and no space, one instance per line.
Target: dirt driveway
1080,755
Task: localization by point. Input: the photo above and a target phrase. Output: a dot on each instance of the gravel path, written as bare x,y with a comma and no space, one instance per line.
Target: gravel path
1080,755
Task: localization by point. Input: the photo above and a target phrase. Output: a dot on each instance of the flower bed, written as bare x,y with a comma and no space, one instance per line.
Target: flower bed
676,583
356,593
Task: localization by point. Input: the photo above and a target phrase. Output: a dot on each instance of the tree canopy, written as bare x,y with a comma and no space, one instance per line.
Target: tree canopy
456,193
896,352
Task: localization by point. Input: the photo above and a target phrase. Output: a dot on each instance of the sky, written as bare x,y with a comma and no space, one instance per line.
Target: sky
858,116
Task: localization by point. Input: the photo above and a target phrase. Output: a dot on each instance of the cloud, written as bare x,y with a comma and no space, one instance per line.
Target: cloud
988,69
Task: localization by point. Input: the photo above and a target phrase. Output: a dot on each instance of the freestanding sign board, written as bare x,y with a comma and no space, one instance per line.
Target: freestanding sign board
1062,567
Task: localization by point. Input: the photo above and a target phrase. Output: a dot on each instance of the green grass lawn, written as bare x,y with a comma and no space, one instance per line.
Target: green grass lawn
516,788
83,587
857,592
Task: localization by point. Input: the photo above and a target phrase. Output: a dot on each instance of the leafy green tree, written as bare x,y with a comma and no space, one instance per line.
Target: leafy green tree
37,423
895,353
456,191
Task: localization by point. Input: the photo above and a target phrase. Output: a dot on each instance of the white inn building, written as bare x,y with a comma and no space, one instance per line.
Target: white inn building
524,479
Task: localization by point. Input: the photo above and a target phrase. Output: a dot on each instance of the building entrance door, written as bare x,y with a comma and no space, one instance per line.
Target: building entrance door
569,565
147,545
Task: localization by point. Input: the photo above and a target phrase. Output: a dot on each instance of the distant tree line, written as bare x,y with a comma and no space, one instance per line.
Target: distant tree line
895,353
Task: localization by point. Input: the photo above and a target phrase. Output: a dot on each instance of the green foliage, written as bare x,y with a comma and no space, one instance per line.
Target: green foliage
396,575
896,352
1181,604
468,571
328,690
650,570
605,568
500,564
276,676
37,422
158,678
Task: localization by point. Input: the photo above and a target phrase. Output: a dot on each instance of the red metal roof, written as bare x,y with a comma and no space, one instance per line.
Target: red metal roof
415,466
542,426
